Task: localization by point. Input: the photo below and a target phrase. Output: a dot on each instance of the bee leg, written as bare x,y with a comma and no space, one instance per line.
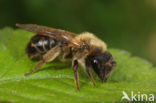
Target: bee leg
41,62
75,67
87,69
49,56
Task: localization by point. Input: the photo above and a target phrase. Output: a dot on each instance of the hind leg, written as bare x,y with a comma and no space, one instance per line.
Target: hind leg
49,56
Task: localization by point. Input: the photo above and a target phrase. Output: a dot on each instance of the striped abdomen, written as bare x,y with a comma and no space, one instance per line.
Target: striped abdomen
39,45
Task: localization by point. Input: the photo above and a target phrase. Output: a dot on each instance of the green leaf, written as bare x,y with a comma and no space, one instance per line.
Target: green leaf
54,81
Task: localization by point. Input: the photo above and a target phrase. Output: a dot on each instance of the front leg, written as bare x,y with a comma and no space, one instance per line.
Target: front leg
49,56
75,67
87,69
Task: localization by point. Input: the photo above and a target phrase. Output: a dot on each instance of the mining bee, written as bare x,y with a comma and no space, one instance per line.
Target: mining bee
85,48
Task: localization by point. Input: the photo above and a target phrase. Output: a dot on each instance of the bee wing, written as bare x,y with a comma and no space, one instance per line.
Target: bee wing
60,35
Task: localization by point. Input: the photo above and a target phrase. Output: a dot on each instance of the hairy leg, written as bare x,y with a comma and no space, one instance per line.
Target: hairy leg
49,56
89,73
75,67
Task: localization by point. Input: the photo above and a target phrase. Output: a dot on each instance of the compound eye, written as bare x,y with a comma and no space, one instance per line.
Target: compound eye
95,64
95,61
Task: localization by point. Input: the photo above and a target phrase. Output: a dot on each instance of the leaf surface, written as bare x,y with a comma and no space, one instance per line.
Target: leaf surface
54,81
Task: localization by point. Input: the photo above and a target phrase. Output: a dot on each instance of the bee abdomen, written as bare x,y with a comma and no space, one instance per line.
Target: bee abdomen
40,45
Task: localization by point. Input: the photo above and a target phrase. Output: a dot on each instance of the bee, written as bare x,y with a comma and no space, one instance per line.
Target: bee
85,49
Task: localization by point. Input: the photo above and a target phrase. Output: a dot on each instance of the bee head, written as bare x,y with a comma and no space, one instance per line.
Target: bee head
103,64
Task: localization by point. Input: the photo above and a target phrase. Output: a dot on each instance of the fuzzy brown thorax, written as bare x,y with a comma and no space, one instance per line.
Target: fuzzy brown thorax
91,44
92,41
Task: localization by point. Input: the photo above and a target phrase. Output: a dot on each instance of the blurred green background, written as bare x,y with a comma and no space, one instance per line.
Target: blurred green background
123,24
